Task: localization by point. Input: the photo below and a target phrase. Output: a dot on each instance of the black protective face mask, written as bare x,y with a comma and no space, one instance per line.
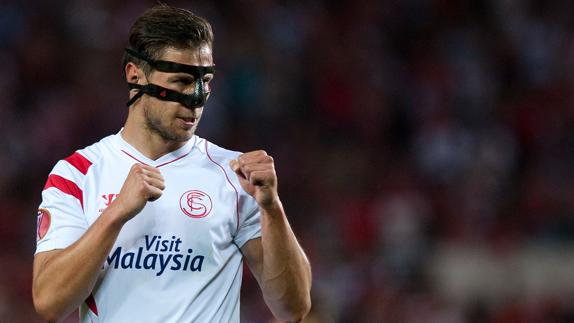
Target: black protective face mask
191,101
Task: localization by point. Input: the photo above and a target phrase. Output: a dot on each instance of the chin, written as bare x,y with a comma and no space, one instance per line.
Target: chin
178,135
184,135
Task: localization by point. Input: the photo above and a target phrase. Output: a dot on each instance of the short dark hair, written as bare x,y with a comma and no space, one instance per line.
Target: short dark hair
164,26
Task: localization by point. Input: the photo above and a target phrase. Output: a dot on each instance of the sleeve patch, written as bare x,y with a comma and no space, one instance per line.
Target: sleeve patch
43,224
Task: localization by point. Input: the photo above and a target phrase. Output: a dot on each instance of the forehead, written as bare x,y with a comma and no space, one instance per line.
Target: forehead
200,56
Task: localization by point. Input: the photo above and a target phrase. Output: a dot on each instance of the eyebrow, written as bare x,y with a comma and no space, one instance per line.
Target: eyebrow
181,76
172,67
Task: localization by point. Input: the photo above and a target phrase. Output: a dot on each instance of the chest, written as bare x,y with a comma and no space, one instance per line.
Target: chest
197,207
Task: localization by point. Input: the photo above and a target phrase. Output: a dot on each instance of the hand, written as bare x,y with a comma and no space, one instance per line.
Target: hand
256,173
144,183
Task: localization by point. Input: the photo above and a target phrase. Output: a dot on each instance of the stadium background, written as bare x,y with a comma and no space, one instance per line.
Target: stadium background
425,149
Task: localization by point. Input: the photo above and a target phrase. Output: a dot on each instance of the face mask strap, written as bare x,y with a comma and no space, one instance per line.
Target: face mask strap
172,67
194,100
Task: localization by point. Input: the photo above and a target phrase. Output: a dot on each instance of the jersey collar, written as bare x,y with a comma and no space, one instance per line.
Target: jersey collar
131,152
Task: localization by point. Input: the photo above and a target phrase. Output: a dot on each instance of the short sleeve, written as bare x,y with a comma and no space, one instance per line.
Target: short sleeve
61,220
249,221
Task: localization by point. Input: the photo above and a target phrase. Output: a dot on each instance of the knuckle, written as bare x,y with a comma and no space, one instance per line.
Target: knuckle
242,159
144,178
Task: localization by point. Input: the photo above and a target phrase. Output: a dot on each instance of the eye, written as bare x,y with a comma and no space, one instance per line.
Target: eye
184,81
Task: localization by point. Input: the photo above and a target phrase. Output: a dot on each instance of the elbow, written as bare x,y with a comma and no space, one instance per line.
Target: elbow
296,312
302,312
46,309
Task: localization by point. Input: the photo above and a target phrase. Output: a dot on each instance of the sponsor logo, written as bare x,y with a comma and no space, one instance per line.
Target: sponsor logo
43,223
156,254
195,204
108,199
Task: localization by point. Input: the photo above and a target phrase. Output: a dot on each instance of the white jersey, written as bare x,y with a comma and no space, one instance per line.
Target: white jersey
178,260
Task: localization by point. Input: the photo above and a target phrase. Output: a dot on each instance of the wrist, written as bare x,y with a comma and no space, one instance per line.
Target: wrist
274,206
115,215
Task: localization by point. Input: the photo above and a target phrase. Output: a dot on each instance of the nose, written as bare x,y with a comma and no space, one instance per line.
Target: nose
199,96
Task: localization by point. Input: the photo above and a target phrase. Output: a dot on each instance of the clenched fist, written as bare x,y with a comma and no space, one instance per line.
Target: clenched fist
256,173
144,183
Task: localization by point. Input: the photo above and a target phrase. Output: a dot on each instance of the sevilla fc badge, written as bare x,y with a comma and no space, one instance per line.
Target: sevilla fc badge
195,204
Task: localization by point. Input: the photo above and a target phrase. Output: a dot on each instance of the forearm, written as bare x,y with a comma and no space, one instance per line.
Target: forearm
285,273
63,281
277,260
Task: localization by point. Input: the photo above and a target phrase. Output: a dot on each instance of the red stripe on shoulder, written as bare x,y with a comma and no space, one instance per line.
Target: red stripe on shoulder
65,186
91,302
80,162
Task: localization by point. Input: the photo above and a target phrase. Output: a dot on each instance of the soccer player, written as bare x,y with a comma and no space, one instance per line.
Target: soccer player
152,224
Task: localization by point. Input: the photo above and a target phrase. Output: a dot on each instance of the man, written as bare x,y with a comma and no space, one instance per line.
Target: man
151,224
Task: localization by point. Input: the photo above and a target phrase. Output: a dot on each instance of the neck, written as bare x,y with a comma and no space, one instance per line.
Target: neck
147,142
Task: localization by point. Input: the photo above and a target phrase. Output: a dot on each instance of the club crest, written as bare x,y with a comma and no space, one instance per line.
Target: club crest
195,204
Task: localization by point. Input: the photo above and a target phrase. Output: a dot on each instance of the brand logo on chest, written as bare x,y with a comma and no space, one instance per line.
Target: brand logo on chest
108,199
195,204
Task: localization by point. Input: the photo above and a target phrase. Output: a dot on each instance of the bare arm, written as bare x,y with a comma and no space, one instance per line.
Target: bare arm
276,259
63,279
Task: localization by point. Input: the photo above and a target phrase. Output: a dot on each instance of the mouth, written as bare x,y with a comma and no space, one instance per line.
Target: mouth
188,121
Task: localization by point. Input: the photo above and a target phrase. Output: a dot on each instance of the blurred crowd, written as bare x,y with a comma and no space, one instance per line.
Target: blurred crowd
418,142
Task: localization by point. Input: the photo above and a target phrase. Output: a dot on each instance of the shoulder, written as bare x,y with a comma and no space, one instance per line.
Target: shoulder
219,159
68,176
99,150
79,163
214,152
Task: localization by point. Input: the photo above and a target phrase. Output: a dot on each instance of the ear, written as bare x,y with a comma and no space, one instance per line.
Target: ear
133,73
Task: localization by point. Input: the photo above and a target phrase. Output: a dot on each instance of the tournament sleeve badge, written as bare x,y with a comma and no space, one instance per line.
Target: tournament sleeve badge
43,223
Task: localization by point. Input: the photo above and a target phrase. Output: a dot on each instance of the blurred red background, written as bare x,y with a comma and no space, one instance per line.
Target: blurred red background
425,149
